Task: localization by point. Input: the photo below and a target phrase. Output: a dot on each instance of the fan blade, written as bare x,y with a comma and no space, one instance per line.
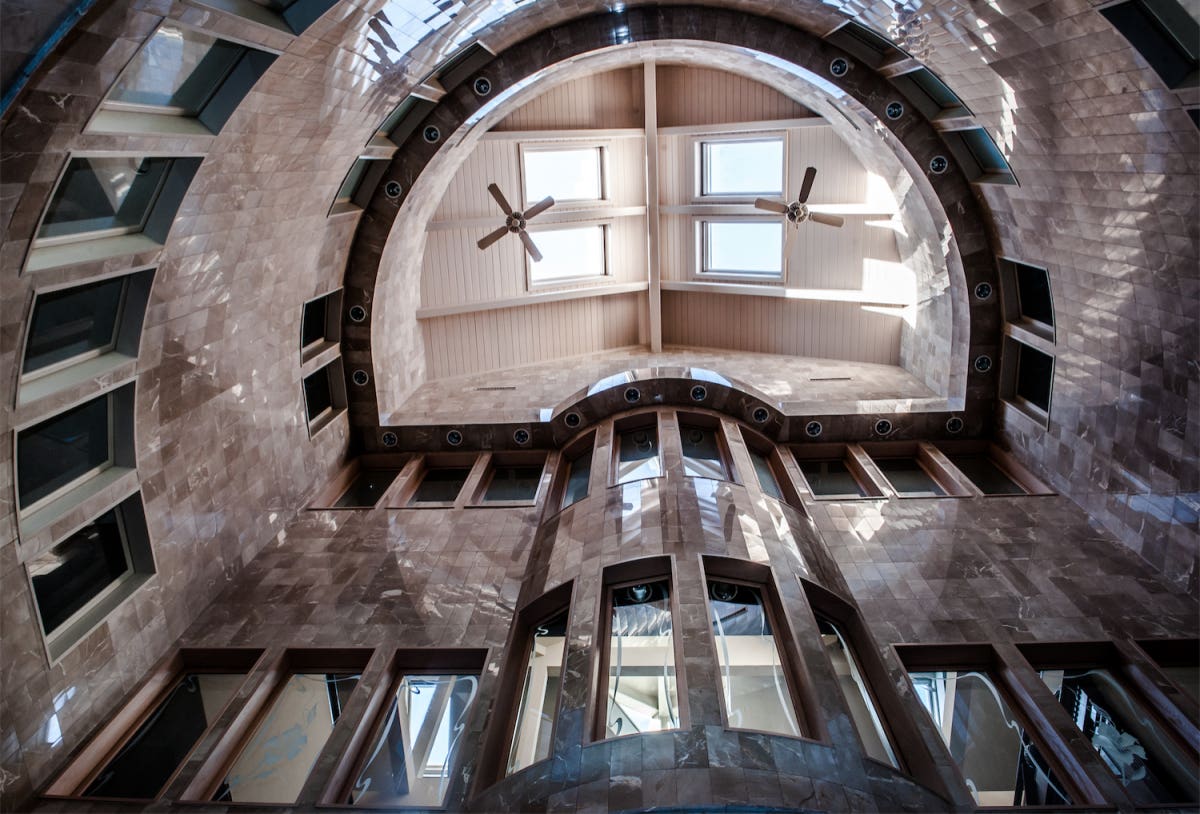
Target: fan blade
492,237
771,206
500,199
828,220
792,229
529,247
810,175
539,207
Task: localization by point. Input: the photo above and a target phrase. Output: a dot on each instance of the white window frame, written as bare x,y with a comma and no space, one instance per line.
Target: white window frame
605,198
25,511
698,168
605,227
94,353
700,251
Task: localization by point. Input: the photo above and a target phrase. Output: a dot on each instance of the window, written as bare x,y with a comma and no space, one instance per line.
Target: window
320,324
293,16
184,73
832,478
1035,376
1033,294
538,709
287,740
1179,660
366,489
866,44
741,168
579,472
98,197
866,718
754,682
414,751
703,452
741,247
986,474
637,454
441,485
58,453
513,482
1164,33
324,395
358,185
404,119
564,174
766,474
930,95
1000,761
640,692
569,254
979,157
909,478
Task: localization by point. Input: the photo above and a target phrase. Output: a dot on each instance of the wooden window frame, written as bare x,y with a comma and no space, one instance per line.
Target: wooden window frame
414,473
505,459
858,464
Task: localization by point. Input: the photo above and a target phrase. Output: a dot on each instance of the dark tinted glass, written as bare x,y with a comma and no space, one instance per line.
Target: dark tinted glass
514,483
77,569
353,179
990,478
831,479
367,488
52,454
147,761
441,485
103,193
317,395
68,323
577,479
908,478
1035,374
1153,41
1033,290
312,328
766,477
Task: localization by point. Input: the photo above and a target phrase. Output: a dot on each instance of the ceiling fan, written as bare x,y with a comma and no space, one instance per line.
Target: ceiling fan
515,222
797,212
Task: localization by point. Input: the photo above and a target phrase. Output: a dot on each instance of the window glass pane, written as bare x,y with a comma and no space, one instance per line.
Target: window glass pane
275,763
753,683
909,478
539,695
353,179
568,254
52,454
178,68
564,175
858,696
577,480
831,479
317,394
514,483
991,479
103,193
411,760
744,247
146,762
637,455
312,325
766,477
1153,39
441,485
367,488
753,167
1139,752
73,572
1033,291
701,453
1188,679
1001,764
1035,373
69,323
642,691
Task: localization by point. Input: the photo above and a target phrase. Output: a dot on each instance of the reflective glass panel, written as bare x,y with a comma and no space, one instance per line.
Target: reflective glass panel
753,683
577,479
441,485
62,449
701,453
514,483
752,167
766,476
858,696
1001,764
909,478
637,455
179,68
1135,747
539,694
983,472
568,254
98,194
78,569
753,247
367,488
147,760
411,760
642,691
564,175
831,479
73,322
276,761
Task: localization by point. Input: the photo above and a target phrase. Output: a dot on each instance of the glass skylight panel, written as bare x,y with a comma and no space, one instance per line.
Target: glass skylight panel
747,247
565,175
742,168
568,254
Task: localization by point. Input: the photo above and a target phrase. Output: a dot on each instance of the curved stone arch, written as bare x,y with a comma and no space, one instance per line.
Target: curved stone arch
976,325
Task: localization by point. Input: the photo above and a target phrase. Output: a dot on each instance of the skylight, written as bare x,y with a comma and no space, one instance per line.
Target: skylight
743,167
574,253
572,174
742,247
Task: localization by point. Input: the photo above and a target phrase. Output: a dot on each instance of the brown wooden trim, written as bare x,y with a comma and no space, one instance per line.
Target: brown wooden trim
515,458
944,473
415,472
777,462
869,476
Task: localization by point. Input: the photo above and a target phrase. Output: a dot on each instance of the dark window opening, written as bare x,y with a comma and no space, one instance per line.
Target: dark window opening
366,489
1033,293
518,483
1164,34
78,569
69,446
318,394
578,476
909,478
984,473
831,478
74,322
441,485
1035,376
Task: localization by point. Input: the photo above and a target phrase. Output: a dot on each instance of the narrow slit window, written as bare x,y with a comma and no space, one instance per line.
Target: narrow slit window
441,485
745,247
637,454
577,253
579,474
1001,763
642,694
766,474
702,453
513,483
58,453
909,478
831,478
98,197
741,168
567,175
857,694
753,680
415,751
366,489
537,712
74,324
